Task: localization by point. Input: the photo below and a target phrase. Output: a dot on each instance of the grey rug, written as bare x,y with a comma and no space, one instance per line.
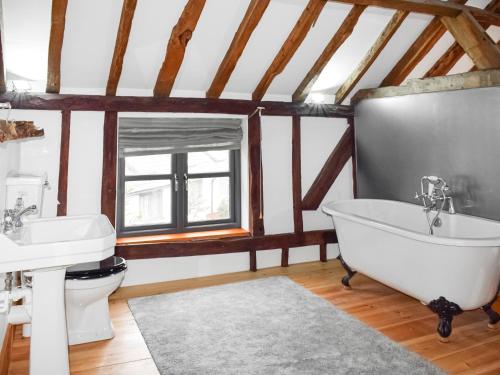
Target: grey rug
266,326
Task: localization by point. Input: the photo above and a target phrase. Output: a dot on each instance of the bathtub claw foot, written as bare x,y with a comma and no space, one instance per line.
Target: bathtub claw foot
350,273
492,314
445,310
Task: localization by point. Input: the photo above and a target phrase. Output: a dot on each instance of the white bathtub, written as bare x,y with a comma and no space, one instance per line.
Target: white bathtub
389,242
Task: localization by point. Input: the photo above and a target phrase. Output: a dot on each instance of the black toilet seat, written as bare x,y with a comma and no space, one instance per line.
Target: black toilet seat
96,270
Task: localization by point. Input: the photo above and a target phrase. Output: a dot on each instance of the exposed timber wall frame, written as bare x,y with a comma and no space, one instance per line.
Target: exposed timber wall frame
108,191
62,192
225,245
298,221
330,171
256,199
115,70
350,121
384,38
176,48
292,43
469,80
58,22
183,105
252,17
344,31
474,40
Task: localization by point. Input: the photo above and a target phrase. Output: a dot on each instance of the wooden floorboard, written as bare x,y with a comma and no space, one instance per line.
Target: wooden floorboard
473,349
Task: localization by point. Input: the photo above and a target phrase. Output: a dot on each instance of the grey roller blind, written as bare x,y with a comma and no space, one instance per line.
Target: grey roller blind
140,136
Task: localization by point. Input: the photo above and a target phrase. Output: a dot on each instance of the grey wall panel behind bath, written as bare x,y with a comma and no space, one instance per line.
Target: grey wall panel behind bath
455,135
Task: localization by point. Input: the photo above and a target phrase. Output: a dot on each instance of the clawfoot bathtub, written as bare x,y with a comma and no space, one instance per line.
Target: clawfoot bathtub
456,269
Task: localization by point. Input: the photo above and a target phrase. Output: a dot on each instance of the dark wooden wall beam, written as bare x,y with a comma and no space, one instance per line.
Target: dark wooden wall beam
108,191
253,260
226,245
298,222
330,171
176,47
292,43
455,52
256,207
62,192
322,252
122,35
58,22
252,17
284,257
344,31
184,105
384,38
3,86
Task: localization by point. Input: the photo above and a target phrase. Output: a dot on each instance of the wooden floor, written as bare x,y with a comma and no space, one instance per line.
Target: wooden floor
474,349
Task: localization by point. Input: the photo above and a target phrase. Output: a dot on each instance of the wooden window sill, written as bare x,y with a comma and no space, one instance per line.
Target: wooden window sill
180,237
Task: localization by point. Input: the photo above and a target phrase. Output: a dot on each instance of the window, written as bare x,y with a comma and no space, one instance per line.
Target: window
160,191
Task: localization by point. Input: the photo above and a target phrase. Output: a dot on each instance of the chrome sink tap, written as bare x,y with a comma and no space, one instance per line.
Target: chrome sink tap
13,217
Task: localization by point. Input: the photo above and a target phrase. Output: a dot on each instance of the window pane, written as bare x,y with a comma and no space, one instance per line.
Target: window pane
208,161
148,165
208,199
148,203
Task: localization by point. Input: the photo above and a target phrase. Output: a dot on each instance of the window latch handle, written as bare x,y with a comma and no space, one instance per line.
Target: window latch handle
185,181
176,182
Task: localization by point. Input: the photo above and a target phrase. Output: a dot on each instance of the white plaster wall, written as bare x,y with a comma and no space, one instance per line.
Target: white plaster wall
85,163
41,155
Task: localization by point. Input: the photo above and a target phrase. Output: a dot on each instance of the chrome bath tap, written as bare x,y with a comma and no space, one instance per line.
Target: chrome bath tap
437,196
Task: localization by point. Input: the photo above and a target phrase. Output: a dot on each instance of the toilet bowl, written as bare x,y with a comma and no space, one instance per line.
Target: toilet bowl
88,287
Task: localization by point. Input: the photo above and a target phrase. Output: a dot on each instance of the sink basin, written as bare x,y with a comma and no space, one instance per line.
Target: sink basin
57,242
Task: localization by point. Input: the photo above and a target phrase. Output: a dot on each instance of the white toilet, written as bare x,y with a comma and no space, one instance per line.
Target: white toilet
88,285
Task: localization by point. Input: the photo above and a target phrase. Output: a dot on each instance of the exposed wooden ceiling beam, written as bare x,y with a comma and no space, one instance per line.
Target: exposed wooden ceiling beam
474,68
176,48
3,87
252,17
474,40
417,51
115,71
292,43
432,7
344,31
58,22
469,80
384,38
184,105
455,52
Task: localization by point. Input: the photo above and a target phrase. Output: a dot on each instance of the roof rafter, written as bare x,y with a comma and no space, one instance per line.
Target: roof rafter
122,36
292,43
252,17
384,38
417,51
432,7
344,31
474,40
455,52
58,22
176,47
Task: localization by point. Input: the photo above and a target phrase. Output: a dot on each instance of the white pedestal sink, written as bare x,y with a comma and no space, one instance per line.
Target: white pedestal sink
46,247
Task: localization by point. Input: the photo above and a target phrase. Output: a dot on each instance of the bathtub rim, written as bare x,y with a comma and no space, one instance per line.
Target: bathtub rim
403,232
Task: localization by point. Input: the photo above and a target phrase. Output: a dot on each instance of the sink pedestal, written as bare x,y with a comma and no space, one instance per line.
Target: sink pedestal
49,338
